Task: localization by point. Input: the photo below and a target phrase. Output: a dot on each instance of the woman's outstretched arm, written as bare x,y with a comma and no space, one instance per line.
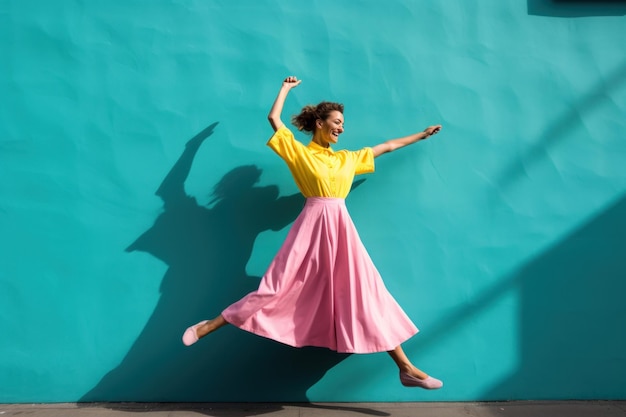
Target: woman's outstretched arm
393,144
277,108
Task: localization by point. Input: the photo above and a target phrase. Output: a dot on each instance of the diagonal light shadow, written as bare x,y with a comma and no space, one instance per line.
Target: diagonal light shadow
562,128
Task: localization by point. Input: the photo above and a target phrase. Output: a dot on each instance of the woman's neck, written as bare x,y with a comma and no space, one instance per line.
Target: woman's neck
317,139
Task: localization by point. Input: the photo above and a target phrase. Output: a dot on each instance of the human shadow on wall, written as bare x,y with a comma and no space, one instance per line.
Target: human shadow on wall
206,250
576,8
572,313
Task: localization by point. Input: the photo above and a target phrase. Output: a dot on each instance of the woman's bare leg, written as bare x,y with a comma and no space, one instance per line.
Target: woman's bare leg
210,326
404,364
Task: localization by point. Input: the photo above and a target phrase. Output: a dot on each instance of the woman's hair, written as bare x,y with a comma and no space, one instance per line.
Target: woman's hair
309,114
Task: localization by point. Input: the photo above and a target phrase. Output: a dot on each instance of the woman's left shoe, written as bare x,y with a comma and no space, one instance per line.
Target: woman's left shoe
191,334
428,383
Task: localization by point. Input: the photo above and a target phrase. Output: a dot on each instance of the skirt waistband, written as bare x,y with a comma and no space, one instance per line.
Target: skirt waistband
325,200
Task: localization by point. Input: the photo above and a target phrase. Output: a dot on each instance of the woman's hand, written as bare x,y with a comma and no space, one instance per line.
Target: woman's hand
431,130
291,82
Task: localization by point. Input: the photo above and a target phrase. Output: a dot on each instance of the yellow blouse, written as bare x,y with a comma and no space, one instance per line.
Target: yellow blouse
319,171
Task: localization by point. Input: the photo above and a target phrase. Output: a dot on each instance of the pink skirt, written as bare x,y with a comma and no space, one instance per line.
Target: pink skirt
322,289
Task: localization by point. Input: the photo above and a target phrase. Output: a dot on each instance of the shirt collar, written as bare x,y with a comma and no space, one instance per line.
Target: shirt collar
316,147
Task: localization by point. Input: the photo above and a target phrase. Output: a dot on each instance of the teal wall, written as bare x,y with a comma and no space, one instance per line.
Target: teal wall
126,214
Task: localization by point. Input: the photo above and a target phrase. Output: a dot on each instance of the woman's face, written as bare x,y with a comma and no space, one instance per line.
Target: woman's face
330,128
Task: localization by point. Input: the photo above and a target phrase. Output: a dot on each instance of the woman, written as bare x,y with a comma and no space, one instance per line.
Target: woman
322,288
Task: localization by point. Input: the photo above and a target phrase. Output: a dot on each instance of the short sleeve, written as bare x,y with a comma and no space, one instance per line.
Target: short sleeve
364,161
284,144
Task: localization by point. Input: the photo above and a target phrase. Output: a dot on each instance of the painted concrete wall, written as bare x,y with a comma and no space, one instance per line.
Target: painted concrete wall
137,194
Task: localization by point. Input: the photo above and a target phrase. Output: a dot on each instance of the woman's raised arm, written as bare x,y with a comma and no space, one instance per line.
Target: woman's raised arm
393,144
277,108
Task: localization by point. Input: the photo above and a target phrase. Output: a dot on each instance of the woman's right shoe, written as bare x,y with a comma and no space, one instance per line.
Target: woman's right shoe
428,383
191,334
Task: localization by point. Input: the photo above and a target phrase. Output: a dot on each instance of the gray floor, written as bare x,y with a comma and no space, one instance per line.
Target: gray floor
489,409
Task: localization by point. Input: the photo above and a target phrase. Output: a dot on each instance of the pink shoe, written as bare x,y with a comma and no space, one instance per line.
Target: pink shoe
428,383
191,336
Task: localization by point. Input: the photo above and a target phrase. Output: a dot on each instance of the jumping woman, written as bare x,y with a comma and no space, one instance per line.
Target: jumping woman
322,289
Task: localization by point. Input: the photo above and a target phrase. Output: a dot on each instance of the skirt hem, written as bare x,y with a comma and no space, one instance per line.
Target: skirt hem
374,349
